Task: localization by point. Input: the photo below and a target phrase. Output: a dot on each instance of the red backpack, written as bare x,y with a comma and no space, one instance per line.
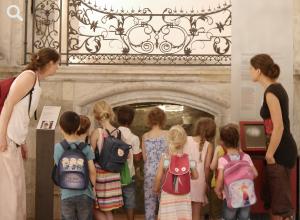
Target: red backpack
177,179
5,85
4,89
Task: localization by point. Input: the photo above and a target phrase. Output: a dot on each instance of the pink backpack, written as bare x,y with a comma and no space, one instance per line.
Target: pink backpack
177,178
238,183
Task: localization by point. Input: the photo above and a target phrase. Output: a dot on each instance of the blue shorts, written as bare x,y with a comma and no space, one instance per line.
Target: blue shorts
128,193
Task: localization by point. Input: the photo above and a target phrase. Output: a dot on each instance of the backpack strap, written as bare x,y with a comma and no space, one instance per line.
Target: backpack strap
107,131
115,130
65,145
81,146
30,96
166,161
242,154
227,158
119,134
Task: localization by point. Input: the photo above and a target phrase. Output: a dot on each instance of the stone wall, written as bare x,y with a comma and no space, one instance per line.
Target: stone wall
78,88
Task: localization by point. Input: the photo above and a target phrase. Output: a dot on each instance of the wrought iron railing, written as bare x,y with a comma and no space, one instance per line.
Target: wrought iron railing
85,32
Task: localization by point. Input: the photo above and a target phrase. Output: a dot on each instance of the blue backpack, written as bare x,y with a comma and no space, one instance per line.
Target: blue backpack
72,170
114,153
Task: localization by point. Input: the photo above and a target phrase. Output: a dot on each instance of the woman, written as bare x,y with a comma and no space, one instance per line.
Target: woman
154,143
108,184
14,126
281,152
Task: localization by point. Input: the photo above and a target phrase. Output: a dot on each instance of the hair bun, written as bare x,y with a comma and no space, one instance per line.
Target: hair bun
34,57
274,71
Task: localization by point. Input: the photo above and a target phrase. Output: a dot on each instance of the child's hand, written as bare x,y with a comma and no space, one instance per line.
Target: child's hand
155,190
218,193
94,192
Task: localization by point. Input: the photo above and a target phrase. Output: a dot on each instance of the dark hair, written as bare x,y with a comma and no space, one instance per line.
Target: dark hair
265,63
156,117
69,122
84,126
206,129
229,135
125,115
40,59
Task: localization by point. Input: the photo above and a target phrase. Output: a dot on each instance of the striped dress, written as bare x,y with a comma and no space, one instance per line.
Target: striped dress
175,207
108,190
108,187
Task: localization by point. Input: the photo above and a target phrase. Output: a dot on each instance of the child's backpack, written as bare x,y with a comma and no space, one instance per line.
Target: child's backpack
238,183
72,170
114,153
177,179
5,85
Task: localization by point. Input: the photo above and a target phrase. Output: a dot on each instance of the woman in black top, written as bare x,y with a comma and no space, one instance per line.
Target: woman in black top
281,153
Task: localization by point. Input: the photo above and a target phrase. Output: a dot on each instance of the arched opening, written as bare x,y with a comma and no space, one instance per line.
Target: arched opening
176,114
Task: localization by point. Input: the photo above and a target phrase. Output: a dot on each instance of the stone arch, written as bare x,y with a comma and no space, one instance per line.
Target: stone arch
203,98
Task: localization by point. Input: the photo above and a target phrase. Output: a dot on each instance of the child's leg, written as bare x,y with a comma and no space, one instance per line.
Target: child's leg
109,215
129,200
84,207
229,213
244,213
196,210
215,205
99,215
68,209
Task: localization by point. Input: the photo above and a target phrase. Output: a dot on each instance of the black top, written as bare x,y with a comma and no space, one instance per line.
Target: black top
286,153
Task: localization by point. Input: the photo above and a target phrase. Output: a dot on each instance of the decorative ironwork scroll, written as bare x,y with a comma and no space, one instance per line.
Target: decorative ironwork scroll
97,35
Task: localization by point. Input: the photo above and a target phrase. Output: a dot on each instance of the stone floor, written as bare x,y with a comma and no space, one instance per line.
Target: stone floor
123,217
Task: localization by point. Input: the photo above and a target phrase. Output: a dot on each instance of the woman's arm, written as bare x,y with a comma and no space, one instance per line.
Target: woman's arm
159,175
207,162
22,85
276,117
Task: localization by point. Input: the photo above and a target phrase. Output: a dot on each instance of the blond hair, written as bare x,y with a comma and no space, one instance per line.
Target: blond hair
103,111
176,138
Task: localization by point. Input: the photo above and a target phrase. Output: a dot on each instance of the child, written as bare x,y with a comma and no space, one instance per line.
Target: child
75,204
229,137
215,204
154,143
174,206
199,148
125,117
108,184
84,128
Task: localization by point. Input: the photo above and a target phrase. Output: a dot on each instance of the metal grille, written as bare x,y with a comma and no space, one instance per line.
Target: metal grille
86,32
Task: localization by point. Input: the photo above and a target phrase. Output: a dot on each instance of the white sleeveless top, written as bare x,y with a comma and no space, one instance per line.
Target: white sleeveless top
18,124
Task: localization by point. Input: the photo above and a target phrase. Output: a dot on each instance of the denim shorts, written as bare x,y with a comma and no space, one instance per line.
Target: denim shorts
128,193
77,207
235,213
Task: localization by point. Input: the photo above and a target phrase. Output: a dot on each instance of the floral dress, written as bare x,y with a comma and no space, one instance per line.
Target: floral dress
154,147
